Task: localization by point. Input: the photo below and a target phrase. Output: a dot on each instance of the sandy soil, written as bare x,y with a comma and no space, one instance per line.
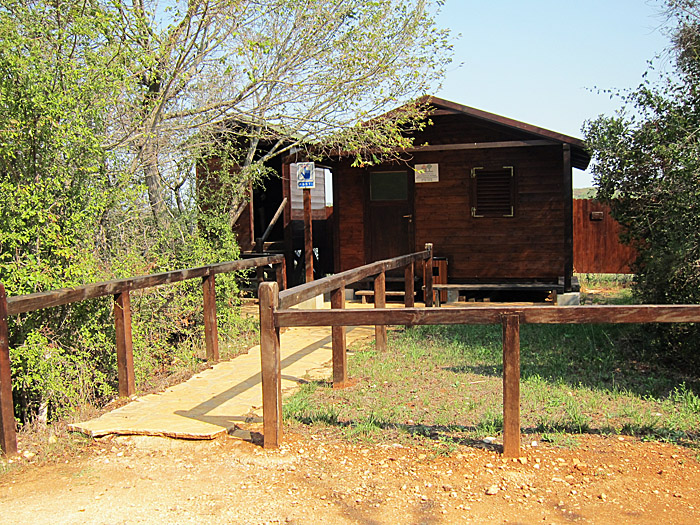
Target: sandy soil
318,479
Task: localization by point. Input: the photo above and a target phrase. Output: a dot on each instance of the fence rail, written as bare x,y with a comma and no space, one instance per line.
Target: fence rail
275,313
120,289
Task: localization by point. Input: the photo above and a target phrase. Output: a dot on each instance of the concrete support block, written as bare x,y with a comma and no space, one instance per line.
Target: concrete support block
569,299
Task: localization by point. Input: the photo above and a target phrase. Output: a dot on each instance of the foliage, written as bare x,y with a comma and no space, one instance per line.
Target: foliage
245,81
647,167
107,108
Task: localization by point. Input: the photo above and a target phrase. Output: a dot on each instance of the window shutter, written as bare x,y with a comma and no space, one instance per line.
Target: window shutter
493,192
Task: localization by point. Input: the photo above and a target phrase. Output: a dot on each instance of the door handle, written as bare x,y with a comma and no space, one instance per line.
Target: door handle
410,216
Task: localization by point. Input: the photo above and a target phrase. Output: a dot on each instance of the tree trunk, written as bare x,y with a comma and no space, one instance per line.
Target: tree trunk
151,175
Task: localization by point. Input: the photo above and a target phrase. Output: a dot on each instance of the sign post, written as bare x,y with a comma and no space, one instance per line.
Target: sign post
306,181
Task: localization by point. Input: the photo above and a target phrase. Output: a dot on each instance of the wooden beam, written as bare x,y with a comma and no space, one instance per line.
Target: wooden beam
276,216
36,301
271,369
308,237
483,145
542,287
8,429
511,385
595,314
338,337
380,302
125,353
211,331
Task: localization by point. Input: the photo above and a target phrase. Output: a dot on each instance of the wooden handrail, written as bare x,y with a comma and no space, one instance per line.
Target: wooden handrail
119,289
36,301
594,314
289,298
278,314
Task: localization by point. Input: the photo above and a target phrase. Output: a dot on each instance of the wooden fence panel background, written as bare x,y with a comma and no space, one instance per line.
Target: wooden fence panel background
597,246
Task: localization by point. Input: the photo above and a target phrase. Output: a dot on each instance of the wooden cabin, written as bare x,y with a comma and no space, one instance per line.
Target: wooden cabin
492,194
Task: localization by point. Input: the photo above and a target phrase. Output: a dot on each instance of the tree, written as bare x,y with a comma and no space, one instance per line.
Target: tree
224,77
647,167
105,108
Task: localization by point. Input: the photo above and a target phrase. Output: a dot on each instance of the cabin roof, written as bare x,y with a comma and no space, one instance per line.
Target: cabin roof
579,155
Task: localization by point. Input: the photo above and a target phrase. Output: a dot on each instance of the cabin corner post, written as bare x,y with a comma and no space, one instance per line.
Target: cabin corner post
511,385
211,331
8,429
271,370
568,218
125,351
340,360
428,276
380,302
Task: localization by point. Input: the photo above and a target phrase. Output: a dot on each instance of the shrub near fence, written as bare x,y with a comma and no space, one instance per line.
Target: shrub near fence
120,289
275,312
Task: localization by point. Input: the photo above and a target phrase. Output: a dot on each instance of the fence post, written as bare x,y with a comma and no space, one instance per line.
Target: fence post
268,294
408,301
281,274
380,302
8,430
428,276
340,360
211,331
125,352
511,385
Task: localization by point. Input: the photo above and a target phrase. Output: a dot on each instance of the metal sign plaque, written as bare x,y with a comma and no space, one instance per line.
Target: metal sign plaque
426,173
306,175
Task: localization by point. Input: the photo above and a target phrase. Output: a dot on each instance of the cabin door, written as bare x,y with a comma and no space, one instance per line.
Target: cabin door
390,226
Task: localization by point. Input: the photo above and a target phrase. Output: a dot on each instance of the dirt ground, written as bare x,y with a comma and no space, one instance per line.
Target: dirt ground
316,478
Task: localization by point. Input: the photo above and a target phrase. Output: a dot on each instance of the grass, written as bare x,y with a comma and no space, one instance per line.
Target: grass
606,288
442,385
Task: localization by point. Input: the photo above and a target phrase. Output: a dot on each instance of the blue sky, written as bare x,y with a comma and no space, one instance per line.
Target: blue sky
543,61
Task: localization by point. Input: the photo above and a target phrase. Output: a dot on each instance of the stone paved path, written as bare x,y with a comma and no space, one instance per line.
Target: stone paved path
215,400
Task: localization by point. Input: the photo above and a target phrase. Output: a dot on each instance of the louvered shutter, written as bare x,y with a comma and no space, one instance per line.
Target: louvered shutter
493,192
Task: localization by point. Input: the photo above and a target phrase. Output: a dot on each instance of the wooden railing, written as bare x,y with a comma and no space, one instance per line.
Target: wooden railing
275,313
273,302
120,289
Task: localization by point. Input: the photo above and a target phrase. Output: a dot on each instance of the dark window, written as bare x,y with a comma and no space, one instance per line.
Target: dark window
388,186
493,192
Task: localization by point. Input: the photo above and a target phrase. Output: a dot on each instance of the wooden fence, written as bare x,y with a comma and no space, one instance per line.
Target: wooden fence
597,246
273,302
275,313
120,289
